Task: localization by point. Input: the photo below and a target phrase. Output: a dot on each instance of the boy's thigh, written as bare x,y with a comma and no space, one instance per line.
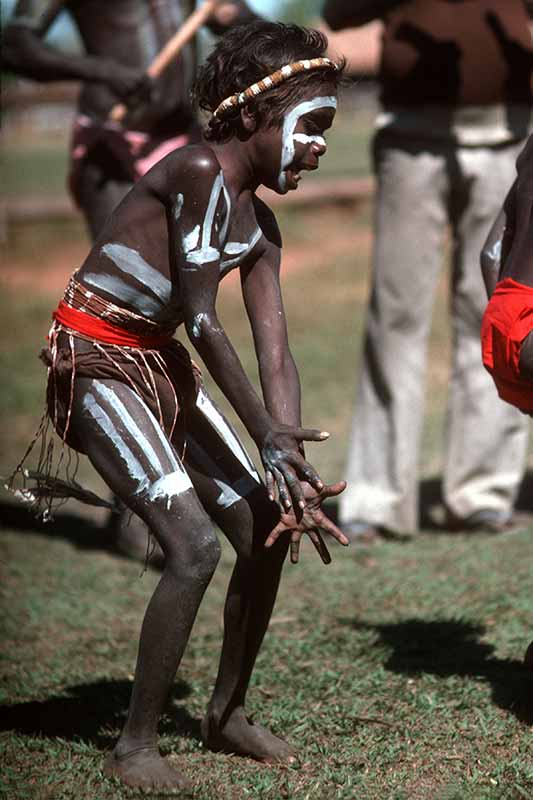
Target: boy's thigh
225,477
127,446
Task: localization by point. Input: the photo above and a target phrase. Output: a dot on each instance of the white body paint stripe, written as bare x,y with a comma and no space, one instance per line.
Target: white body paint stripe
165,486
170,486
129,423
229,493
105,423
289,124
206,252
120,290
233,262
207,408
131,262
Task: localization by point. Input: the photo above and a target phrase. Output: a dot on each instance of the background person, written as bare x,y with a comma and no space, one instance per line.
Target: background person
124,392
120,38
455,89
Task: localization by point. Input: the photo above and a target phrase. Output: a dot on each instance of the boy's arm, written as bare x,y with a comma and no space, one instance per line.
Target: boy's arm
229,14
491,253
351,13
198,220
26,53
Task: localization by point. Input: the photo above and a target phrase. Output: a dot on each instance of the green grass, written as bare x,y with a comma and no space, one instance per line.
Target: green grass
396,671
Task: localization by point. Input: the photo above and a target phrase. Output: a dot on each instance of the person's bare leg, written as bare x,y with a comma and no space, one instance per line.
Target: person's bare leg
246,521
124,443
249,603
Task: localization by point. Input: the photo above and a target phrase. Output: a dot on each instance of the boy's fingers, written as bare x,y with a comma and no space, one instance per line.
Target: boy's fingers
309,434
295,548
334,489
320,546
270,484
283,492
329,527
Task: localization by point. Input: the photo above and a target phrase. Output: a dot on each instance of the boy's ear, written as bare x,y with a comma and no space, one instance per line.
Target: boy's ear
248,120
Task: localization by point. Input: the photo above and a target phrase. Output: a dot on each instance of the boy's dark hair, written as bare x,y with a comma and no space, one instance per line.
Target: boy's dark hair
248,53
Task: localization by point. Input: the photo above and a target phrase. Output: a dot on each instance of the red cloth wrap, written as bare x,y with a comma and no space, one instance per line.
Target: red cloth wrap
102,331
508,319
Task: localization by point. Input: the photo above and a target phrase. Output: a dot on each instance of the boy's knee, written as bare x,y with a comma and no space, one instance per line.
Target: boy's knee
204,553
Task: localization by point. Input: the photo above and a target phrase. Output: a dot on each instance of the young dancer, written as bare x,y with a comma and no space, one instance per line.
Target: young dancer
124,392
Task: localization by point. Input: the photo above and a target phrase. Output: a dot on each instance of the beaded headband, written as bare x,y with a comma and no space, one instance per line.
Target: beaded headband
281,75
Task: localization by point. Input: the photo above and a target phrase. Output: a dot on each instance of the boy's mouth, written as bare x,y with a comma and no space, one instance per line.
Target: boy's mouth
294,174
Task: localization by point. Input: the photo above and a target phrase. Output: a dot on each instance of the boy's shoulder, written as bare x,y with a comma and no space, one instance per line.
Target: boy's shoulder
267,222
196,161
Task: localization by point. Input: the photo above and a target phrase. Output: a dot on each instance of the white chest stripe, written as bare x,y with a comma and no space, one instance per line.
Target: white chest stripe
121,290
131,262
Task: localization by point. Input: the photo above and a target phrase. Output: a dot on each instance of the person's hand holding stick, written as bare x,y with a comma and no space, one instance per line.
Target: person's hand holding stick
174,45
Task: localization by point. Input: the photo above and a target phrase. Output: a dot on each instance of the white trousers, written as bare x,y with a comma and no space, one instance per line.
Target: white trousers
422,187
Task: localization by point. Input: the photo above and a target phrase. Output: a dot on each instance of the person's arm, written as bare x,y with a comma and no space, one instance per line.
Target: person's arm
228,15
25,52
197,223
491,253
351,13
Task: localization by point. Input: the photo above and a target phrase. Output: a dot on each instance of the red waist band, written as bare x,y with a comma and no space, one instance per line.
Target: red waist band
105,332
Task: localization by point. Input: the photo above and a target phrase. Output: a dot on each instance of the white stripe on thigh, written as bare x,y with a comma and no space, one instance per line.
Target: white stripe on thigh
145,469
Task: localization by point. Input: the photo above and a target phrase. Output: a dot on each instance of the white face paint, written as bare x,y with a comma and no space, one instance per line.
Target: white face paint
303,138
166,485
200,251
288,136
132,263
223,428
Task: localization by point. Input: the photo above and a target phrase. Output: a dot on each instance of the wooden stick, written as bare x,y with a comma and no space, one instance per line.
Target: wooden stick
171,49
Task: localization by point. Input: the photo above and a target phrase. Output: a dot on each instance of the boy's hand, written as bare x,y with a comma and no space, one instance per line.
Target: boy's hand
312,521
127,83
285,466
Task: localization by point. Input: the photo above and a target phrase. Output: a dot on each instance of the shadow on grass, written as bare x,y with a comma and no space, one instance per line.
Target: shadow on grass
92,713
454,647
77,529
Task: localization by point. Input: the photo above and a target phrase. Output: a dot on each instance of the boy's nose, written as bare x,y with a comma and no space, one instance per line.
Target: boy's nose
320,147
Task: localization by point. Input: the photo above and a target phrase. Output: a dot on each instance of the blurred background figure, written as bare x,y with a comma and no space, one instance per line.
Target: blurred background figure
120,40
456,109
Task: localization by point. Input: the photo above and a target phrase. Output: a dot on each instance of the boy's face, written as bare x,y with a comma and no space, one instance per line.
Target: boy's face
298,144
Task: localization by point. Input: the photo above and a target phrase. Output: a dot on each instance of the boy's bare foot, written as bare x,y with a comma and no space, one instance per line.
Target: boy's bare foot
145,769
244,738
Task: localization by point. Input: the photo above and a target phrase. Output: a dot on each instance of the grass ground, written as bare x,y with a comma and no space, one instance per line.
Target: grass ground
396,670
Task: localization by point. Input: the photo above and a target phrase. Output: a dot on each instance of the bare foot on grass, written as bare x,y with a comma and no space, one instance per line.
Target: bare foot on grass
145,769
244,738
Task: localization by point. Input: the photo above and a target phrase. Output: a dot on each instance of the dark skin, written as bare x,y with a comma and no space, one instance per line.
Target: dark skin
352,13
121,38
508,251
183,226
